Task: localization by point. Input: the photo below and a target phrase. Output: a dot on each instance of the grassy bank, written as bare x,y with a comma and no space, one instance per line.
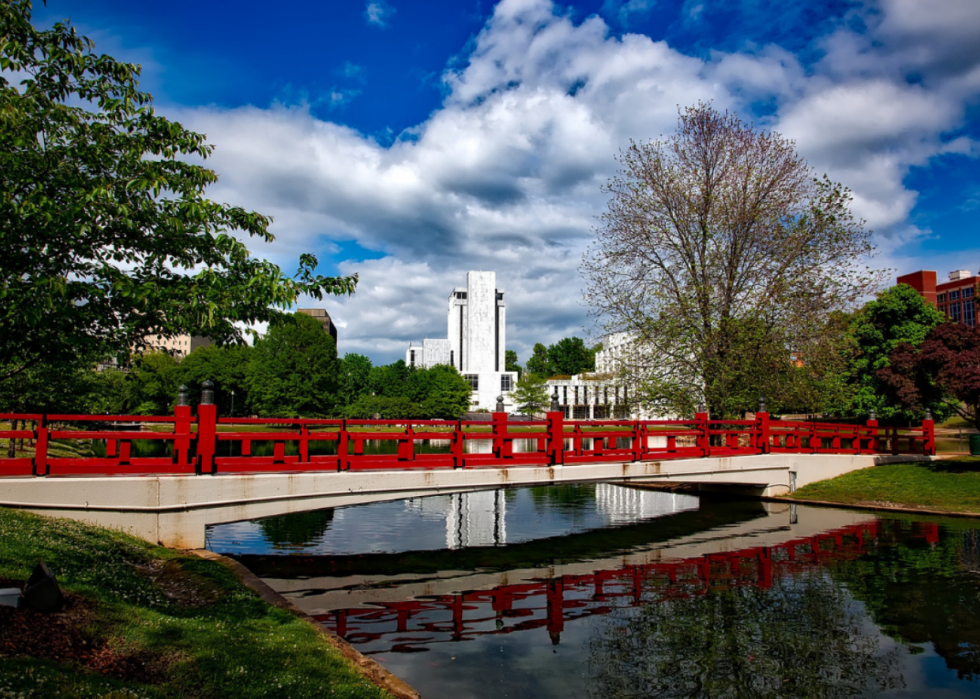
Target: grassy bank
143,621
950,485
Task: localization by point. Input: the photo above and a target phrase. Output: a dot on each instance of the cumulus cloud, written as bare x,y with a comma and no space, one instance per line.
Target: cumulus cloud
506,175
378,13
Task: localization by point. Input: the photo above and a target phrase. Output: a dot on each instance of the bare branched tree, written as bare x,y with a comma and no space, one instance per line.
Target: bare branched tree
719,251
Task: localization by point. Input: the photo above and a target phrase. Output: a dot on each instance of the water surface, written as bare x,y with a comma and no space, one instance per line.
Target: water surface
593,591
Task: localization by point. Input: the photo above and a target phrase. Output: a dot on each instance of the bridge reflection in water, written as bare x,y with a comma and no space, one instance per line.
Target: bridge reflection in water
415,625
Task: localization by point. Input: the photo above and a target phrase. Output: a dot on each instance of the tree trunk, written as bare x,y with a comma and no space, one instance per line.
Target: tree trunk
12,445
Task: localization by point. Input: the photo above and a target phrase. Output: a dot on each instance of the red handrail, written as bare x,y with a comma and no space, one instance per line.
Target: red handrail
195,440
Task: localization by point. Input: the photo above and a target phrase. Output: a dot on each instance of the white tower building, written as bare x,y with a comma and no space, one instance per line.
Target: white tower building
477,341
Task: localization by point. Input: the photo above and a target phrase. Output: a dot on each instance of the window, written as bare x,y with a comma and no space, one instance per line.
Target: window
411,357
506,382
941,298
474,380
954,311
954,295
968,293
969,313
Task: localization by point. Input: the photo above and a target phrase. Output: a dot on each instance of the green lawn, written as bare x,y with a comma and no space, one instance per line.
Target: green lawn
950,485
159,623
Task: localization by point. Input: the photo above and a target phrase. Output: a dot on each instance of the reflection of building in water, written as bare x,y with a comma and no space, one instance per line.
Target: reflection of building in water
476,519
472,519
480,518
624,505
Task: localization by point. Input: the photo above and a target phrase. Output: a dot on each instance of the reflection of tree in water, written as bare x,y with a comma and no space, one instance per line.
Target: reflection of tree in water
800,638
971,551
296,529
573,500
921,593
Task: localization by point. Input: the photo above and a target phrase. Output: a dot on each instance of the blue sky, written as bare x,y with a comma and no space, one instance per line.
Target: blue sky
412,141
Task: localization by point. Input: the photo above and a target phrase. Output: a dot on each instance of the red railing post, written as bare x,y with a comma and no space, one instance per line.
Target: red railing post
182,430
41,447
457,445
406,447
556,438
929,435
499,427
207,429
703,438
762,435
304,444
343,442
641,440
873,445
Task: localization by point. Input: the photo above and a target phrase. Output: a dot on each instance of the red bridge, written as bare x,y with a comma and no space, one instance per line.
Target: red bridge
195,442
207,470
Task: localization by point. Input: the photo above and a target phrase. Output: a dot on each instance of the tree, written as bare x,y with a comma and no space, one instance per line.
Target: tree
355,374
448,395
540,362
294,370
511,364
570,356
228,368
152,384
391,380
105,233
944,373
897,316
531,394
720,222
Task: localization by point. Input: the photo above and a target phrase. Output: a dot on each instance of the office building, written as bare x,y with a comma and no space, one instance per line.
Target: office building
957,297
476,341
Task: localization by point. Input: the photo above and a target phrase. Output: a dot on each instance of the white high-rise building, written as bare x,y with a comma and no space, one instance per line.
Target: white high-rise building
476,344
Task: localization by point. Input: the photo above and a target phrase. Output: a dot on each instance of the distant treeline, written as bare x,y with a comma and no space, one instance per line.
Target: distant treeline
293,371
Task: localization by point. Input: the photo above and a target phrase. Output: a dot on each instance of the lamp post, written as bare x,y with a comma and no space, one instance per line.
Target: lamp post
232,414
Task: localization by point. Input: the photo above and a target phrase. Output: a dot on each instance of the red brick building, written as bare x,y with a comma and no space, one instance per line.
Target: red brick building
957,298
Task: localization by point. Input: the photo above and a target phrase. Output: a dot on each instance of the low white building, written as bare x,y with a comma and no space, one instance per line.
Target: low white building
476,342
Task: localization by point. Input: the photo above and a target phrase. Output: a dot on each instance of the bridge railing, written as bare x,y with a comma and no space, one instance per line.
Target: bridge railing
199,442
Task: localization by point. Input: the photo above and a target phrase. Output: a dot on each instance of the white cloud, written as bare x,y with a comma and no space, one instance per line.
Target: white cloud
506,175
378,13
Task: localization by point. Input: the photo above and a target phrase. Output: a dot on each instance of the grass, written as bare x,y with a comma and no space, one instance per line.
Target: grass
205,633
950,485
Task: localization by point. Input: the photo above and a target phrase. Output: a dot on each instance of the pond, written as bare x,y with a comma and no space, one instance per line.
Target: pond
607,591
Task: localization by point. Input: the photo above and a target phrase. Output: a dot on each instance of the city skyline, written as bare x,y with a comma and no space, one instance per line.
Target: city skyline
411,142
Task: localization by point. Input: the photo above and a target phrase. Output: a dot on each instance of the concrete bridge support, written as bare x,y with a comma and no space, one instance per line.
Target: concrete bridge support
175,510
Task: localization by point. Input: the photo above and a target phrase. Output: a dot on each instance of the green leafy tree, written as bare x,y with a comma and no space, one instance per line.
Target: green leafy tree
108,392
293,372
898,315
152,384
531,395
106,235
715,223
226,367
540,362
511,363
570,356
788,382
391,380
448,394
354,380
49,388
